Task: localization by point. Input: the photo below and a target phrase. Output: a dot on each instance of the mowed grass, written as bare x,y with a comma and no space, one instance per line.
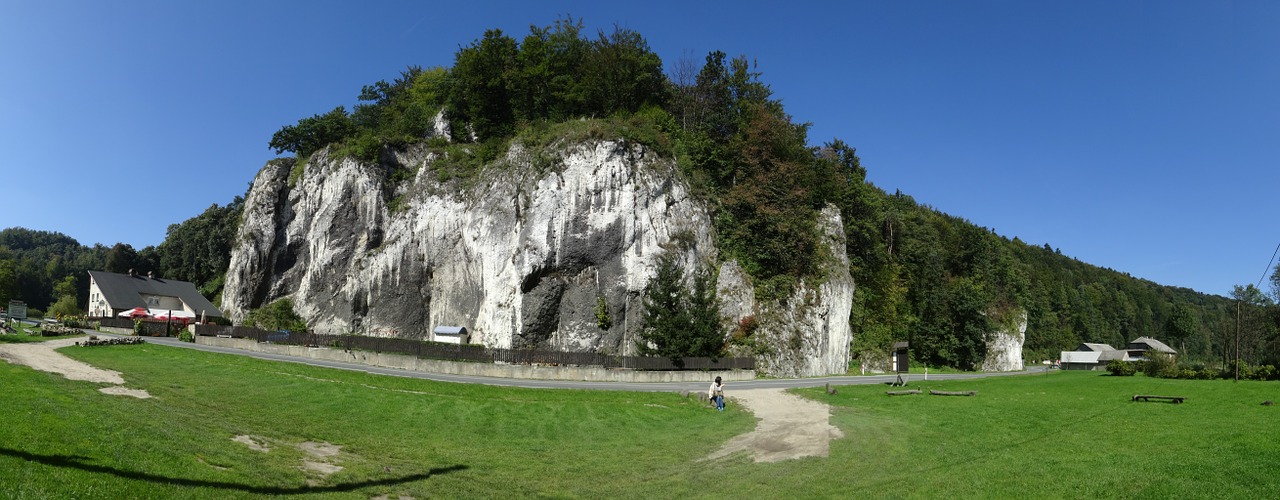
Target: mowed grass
399,436
1062,435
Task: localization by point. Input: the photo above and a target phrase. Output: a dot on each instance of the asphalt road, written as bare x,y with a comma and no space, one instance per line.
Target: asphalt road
607,386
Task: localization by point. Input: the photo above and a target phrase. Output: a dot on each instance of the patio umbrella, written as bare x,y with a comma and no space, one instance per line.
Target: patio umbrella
135,313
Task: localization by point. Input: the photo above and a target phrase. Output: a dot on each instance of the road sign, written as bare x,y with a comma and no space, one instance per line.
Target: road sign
17,309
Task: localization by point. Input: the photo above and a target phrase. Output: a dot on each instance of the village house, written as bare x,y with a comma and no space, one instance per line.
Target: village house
1091,356
113,294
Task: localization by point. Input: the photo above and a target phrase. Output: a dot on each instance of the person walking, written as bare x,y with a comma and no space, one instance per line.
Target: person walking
716,393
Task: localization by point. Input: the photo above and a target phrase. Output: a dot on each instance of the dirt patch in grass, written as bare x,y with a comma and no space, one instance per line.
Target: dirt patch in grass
319,450
116,390
254,443
790,427
42,356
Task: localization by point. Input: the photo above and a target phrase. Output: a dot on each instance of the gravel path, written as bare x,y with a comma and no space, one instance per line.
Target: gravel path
42,356
790,427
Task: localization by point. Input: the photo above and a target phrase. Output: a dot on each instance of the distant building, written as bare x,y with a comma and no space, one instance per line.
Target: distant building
451,334
111,294
1090,356
1140,346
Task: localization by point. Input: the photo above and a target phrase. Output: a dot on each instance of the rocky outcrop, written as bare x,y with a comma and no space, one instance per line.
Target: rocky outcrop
807,334
1004,346
520,254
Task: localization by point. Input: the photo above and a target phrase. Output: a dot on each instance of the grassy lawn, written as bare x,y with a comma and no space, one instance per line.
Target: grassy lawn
28,333
64,439
1066,434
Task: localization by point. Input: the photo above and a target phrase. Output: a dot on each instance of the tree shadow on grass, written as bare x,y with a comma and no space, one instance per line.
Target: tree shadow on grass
83,463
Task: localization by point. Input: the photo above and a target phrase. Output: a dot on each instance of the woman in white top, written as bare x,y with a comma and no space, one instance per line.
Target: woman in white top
716,393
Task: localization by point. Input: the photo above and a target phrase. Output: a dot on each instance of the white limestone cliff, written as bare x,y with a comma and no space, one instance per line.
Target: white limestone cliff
519,254
1004,346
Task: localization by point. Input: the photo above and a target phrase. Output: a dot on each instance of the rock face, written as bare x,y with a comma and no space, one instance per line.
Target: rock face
520,254
1004,346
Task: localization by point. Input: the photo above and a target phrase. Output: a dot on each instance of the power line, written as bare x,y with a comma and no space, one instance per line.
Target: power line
1264,272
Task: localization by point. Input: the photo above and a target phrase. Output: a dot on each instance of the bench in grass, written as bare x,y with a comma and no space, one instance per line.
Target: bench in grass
953,393
1148,397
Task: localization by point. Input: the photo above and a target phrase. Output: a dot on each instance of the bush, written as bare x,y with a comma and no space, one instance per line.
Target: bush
1229,371
186,336
1160,365
278,315
1121,368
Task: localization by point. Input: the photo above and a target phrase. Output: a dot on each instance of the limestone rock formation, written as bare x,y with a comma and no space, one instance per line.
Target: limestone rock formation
519,254
1004,346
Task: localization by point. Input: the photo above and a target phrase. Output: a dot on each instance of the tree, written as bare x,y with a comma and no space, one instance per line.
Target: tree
480,95
1183,324
311,134
65,306
8,281
680,323
121,257
621,74
278,315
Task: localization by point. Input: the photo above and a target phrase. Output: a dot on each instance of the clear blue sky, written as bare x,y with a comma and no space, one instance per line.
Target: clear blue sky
1138,136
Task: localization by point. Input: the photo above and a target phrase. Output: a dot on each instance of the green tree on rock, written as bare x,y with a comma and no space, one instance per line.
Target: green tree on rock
680,322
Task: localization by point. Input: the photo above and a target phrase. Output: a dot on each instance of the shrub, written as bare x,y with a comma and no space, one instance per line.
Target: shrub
1229,372
603,321
1121,368
1160,365
278,315
186,336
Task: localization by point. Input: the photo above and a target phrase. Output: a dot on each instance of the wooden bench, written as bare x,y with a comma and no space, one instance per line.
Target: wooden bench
1148,397
953,393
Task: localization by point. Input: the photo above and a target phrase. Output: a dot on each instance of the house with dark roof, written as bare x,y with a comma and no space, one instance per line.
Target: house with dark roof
111,294
1091,356
1140,346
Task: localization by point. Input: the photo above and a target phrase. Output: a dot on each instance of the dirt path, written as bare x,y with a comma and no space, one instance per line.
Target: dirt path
789,427
42,356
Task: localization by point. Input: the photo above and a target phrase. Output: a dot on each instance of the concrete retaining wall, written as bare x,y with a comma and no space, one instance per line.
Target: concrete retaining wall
529,372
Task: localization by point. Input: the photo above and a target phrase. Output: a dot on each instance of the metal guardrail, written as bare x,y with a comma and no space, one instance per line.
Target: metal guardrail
471,353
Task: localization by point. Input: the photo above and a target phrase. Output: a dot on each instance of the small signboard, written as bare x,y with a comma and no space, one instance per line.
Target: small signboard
17,309
900,357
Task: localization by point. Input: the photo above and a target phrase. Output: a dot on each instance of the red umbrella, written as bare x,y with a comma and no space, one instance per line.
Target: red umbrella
174,317
135,313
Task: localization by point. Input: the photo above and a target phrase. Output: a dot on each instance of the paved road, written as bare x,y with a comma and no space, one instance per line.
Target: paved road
565,384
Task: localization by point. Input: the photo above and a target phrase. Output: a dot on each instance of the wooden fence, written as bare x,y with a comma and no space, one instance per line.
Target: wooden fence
472,353
150,328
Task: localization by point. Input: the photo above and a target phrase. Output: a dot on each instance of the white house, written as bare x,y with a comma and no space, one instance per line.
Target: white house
112,293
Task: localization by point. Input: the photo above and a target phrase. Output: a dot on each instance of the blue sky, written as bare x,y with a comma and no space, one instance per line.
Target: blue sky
1138,136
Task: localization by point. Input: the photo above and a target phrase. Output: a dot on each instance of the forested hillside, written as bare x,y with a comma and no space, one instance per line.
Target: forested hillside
933,278
48,270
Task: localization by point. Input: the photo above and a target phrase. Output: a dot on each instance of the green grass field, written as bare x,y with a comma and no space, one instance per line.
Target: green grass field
1066,434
